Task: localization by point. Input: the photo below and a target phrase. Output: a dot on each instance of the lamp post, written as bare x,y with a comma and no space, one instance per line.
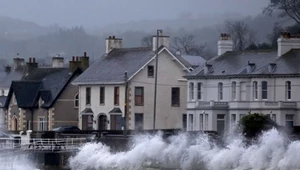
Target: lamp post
155,83
126,104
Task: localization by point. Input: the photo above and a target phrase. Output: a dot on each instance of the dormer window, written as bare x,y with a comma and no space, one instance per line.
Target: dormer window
151,71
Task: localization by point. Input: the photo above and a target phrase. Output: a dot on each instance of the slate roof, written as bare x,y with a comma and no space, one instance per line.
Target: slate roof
52,82
6,79
236,63
2,101
110,68
194,60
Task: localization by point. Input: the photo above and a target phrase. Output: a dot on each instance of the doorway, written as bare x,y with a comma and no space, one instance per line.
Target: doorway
102,122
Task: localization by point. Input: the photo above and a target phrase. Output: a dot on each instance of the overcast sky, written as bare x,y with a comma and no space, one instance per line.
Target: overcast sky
92,13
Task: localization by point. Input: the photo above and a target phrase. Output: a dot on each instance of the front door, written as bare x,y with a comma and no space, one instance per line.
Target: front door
102,122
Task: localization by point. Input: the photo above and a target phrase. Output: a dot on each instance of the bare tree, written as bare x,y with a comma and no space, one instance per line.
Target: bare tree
273,36
187,45
287,8
242,36
147,41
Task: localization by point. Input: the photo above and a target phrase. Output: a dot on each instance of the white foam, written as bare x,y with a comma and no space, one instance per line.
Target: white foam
271,152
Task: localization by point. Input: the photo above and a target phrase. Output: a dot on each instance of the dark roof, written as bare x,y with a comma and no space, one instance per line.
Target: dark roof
52,82
2,101
26,93
236,63
110,68
115,110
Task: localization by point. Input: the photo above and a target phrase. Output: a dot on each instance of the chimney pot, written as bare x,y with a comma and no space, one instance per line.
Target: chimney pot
84,54
109,37
33,60
77,58
224,44
73,58
113,37
29,59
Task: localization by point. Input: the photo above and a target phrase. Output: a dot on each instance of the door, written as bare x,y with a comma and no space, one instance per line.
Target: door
139,121
102,122
14,124
220,124
116,122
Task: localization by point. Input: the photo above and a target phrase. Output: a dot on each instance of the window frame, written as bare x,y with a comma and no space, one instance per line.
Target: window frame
141,103
150,73
288,90
42,125
76,100
199,91
177,99
191,91
264,90
220,91
116,96
233,90
255,90
102,95
88,96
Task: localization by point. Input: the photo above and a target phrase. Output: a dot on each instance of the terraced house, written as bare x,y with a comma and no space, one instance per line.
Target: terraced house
45,98
102,88
236,83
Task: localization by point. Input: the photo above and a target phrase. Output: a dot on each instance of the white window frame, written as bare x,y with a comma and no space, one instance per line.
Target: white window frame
264,90
191,91
255,90
233,86
289,120
76,98
288,90
191,122
199,91
201,122
205,121
42,123
220,91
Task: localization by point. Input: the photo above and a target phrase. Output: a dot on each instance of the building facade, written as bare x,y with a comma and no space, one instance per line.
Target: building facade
234,84
102,88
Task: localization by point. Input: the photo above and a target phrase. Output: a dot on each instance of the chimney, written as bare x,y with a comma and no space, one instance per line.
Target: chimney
74,64
57,62
113,42
162,40
31,65
287,42
84,61
7,69
224,44
18,63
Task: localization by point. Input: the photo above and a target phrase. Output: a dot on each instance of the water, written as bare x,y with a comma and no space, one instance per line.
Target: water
272,151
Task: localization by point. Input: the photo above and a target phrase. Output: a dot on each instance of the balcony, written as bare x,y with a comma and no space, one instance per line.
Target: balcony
208,104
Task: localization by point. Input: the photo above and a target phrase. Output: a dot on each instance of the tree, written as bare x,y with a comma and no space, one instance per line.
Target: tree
147,41
253,124
186,44
287,8
274,35
242,36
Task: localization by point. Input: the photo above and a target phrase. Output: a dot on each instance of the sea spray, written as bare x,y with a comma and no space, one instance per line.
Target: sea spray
272,151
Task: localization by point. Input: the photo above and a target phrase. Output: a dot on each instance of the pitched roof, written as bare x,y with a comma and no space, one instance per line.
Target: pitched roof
236,63
52,82
26,93
110,68
2,101
8,78
194,60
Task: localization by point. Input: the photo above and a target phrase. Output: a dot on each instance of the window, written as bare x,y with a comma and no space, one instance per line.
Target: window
184,121
255,90
243,91
102,95
116,122
2,92
116,96
201,122
175,96
76,101
206,122
289,121
88,96
151,71
233,86
220,124
288,94
139,121
139,96
233,119
220,91
191,122
199,91
264,90
191,91
42,124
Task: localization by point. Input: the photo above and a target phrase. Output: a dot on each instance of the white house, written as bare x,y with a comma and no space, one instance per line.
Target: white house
102,88
234,84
